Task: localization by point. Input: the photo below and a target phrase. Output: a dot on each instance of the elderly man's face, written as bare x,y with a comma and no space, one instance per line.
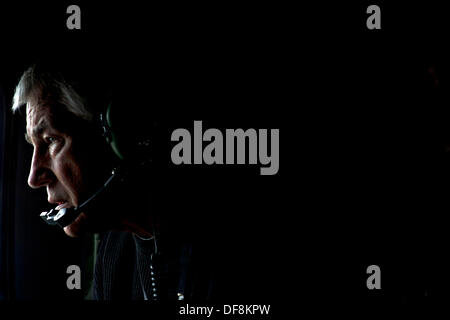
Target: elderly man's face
56,165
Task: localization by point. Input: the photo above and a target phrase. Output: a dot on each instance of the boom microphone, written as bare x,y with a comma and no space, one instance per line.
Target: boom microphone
66,216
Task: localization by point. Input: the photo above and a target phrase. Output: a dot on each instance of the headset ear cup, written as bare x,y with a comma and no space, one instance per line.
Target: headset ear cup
131,135
112,136
108,132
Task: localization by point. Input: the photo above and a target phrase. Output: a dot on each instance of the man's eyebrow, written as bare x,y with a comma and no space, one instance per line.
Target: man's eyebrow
37,130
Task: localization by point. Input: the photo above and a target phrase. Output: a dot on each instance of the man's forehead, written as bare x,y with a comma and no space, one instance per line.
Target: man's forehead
38,117
33,108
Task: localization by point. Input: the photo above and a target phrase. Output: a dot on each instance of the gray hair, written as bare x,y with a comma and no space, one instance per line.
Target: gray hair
38,86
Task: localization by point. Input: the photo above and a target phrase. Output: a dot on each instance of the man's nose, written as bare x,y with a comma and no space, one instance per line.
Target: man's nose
40,173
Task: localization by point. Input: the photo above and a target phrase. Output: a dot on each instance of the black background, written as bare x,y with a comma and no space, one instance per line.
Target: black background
363,119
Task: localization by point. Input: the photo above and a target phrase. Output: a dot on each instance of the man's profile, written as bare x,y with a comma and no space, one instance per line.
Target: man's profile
71,160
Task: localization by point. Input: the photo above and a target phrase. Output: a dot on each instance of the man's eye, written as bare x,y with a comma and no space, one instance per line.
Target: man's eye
50,140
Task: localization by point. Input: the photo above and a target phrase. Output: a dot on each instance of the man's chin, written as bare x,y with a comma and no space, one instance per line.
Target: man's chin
77,228
84,224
